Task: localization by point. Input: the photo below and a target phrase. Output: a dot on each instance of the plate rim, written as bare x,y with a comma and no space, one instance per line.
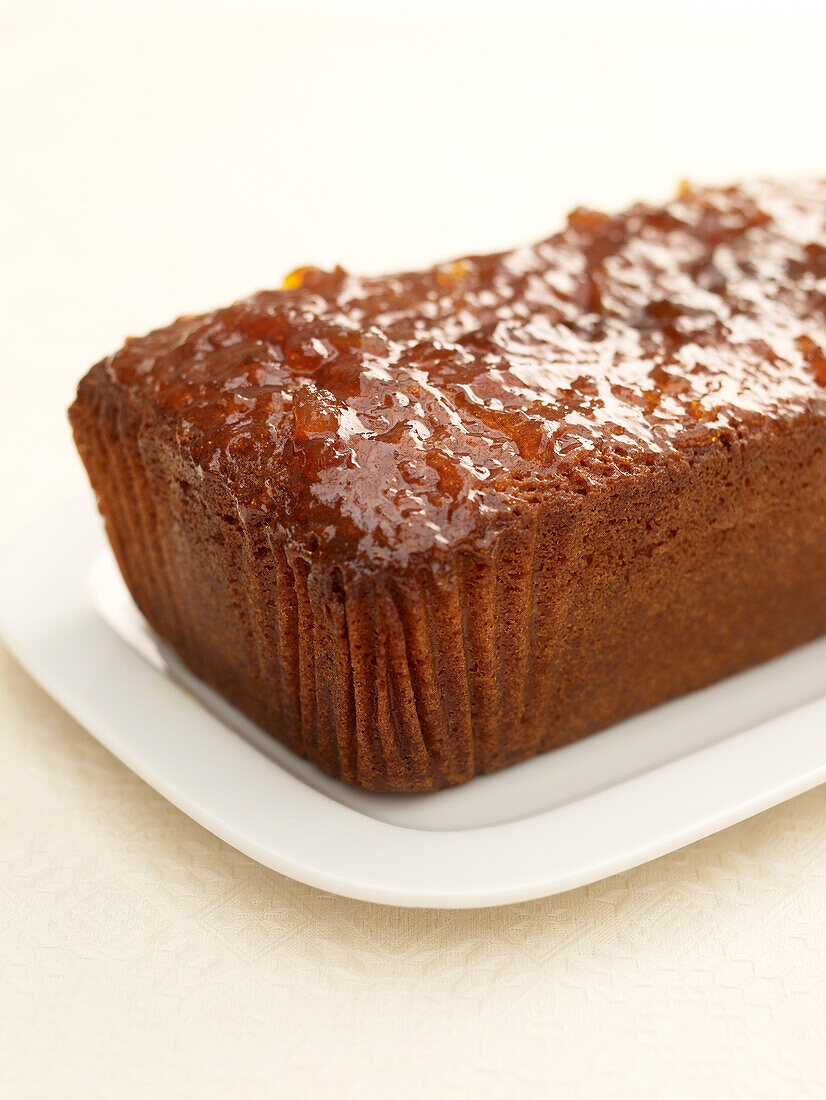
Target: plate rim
606,832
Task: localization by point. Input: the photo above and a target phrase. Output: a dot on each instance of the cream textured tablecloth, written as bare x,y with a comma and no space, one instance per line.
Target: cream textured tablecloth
160,161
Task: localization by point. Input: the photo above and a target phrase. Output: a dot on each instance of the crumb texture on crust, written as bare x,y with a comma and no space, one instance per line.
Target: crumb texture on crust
426,526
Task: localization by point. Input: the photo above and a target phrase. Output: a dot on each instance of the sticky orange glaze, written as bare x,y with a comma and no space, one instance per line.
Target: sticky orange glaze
384,417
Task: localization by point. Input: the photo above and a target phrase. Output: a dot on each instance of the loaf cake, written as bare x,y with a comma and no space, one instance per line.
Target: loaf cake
423,526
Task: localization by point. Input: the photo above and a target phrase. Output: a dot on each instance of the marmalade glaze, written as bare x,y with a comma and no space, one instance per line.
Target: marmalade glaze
384,417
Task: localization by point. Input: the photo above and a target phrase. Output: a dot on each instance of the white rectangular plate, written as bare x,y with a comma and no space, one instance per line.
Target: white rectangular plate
607,803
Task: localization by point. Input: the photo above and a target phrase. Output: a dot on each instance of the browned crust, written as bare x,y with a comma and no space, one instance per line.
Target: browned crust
576,616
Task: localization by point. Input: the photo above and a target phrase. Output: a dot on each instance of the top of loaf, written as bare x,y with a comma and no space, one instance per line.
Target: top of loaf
383,418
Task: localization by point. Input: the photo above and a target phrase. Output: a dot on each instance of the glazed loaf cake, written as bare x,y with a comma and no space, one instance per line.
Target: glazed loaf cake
423,526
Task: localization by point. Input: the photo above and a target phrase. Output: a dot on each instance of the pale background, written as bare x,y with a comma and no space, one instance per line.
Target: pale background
157,160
